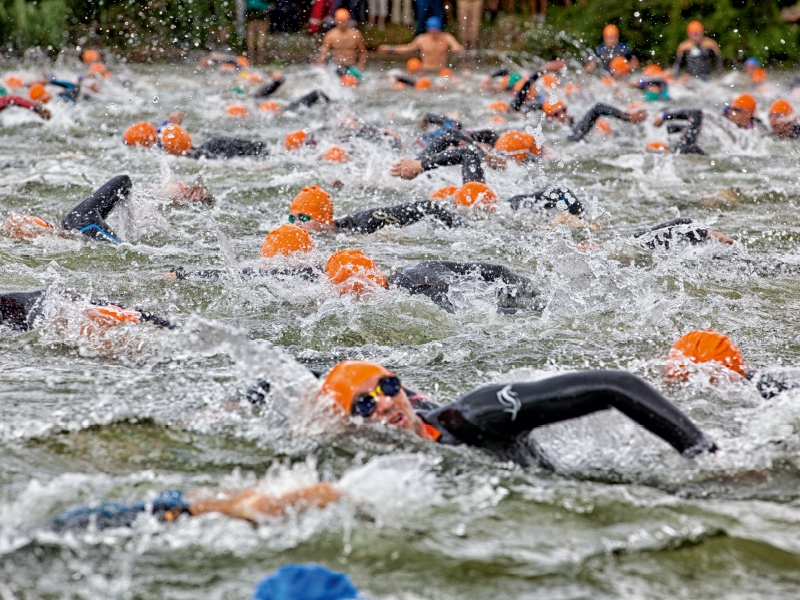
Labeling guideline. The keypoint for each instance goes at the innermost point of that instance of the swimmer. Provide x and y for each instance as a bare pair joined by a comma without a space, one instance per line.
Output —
72,91
227,60
508,79
344,43
308,100
174,139
433,46
689,132
87,217
181,194
741,111
653,83
609,50
635,114
520,101
697,53
7,101
783,124
276,80
678,231
352,128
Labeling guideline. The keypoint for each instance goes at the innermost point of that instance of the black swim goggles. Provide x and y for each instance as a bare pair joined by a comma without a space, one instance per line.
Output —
365,404
301,217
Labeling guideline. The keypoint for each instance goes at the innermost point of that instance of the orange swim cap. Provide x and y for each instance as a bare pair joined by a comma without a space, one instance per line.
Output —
140,134
348,80
610,30
314,202
548,81
423,83
413,64
604,127
607,80
657,147
90,56
619,66
286,239
176,140
478,193
100,69
744,102
550,108
499,106
701,347
14,82
353,272
254,78
780,107
518,144
651,71
242,62
694,27
758,76
336,154
343,379
295,140
445,73
24,227
341,14
270,106
572,89
445,192
38,93
399,85
498,120
237,110
111,316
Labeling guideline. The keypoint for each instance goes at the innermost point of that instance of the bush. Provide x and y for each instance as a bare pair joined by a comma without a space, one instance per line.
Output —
27,24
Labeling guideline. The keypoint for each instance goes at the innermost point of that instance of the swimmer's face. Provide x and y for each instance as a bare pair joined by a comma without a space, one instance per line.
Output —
610,39
343,24
303,221
740,116
393,410
562,116
696,36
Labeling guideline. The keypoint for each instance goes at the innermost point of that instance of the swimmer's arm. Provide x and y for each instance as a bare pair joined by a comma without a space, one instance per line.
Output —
454,45
250,505
362,51
326,48
522,94
402,49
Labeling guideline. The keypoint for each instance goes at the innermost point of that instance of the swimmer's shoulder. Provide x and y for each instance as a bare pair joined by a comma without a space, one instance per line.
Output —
684,46
709,44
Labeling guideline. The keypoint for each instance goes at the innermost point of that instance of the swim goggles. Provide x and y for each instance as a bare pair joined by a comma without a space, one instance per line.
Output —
301,217
365,404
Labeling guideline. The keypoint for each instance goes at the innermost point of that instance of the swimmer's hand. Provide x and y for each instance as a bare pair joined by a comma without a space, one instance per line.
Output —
42,112
555,65
496,162
637,115
407,168
721,237
659,120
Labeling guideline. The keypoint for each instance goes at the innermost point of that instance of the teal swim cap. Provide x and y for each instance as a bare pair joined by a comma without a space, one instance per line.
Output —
513,78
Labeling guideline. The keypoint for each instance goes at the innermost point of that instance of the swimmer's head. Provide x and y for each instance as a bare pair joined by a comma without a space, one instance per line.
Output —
758,76
353,272
423,83
556,110
413,64
270,106
38,93
498,106
14,82
312,209
25,227
342,18
751,64
741,110
141,134
237,111
657,147
176,140
702,347
695,31
780,108
445,73
652,71
90,56
444,192
477,194
547,82
610,35
298,139
242,62
348,80
517,144
619,67
99,68
433,24
336,154
286,240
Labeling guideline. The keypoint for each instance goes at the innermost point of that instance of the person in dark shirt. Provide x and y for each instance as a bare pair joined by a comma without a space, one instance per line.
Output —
697,53
609,50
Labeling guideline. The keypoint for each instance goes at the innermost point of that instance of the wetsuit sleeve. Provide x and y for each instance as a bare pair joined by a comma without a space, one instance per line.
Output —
501,72
6,101
694,118
447,138
497,415
547,199
222,147
664,233
469,157
67,85
522,94
309,100
588,120
441,120
89,215
679,61
269,88
19,309
626,52
772,383
370,221
484,136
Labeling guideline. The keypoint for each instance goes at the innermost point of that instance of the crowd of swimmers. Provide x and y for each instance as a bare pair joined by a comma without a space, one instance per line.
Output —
496,418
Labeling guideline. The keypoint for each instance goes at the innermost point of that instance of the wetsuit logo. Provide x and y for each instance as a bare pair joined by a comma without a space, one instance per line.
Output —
510,401
387,218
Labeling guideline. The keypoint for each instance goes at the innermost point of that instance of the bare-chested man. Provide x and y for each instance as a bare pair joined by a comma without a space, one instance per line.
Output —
432,45
345,43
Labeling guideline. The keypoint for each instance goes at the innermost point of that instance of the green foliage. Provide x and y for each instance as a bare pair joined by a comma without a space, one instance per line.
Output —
654,28
26,24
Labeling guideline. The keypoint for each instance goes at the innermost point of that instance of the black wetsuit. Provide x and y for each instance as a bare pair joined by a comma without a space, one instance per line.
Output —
548,198
698,61
228,147
308,100
89,215
518,103
672,232
373,219
453,146
498,418
19,310
269,88
433,278
605,54
371,133
584,126
689,132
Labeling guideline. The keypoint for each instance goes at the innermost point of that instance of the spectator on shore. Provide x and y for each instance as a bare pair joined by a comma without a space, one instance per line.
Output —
426,9
470,13
257,17
378,11
344,43
610,49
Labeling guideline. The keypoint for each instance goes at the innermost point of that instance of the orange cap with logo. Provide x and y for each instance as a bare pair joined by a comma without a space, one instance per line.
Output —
413,64
237,110
619,65
423,83
694,27
336,154
348,80
344,379
657,147
445,192
499,106
701,347
176,140
341,14
478,193
610,29
38,93
744,102
550,107
780,107
519,144
141,134
353,272
314,202
295,140
270,106
286,239
90,56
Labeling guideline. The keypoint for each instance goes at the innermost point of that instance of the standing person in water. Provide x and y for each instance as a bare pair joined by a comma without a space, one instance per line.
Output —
344,43
697,53
609,50
433,46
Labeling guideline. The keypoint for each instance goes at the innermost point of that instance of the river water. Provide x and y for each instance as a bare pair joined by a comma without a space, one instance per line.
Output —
623,515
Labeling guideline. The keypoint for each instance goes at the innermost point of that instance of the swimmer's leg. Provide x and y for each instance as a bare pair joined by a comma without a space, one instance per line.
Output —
509,411
309,100
228,147
469,157
582,127
19,309
88,216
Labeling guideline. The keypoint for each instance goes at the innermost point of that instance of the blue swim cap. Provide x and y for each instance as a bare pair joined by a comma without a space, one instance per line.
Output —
305,582
752,61
433,23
